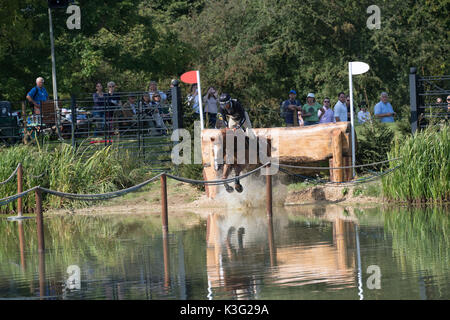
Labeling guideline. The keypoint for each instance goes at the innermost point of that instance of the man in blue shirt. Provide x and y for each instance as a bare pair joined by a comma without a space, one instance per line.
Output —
37,95
290,107
340,109
383,109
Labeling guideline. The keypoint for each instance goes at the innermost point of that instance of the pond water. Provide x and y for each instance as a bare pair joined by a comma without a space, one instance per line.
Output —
330,252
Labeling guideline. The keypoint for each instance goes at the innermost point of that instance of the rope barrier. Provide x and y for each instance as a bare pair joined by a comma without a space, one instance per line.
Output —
216,182
114,194
335,168
346,183
11,176
101,196
9,199
38,176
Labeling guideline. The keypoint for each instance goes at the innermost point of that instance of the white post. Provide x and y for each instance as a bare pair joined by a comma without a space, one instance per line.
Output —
351,117
55,89
200,100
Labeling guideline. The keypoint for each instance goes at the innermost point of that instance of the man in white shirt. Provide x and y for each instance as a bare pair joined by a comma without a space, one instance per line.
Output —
340,109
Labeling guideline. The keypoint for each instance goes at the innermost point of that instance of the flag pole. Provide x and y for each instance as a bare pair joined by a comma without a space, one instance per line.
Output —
200,100
351,116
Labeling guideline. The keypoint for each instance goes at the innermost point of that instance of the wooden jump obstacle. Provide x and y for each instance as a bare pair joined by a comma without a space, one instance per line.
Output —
301,146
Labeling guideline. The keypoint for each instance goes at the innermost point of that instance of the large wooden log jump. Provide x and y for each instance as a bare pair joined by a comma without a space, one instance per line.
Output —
301,146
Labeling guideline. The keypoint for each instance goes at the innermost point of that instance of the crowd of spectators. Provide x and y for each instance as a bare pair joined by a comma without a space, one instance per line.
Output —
310,113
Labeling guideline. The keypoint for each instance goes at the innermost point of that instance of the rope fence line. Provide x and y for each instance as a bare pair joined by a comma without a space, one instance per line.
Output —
11,176
336,168
375,176
100,196
38,190
118,193
217,182
9,199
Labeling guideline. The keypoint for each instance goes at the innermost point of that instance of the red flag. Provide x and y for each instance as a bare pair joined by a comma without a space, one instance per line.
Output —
189,77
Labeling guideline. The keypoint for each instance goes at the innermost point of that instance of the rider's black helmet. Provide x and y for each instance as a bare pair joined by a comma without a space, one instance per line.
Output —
224,99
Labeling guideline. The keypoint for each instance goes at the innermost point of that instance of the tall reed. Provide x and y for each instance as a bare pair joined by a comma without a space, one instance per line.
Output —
63,169
424,172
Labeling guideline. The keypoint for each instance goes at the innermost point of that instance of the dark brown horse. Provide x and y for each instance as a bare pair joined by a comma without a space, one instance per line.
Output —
241,158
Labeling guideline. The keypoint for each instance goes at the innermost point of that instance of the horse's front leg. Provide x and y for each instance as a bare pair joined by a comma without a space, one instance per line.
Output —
226,172
237,185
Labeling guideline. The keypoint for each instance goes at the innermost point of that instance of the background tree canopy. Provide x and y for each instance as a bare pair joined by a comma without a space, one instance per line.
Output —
257,50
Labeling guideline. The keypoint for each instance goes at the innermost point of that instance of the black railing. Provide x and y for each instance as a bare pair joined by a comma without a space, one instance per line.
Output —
426,109
132,121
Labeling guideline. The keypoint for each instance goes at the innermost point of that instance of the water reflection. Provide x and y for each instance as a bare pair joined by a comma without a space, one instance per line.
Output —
246,249
299,253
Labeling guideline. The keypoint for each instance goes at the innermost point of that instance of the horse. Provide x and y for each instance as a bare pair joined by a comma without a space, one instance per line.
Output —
239,159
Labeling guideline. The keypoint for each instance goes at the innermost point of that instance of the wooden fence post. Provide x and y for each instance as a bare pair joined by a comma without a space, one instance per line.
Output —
19,189
164,213
336,142
39,220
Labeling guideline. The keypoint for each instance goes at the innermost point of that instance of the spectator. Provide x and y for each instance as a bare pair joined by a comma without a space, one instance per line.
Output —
309,110
127,114
153,88
290,108
363,114
99,107
158,113
192,100
340,109
147,109
326,114
448,103
210,100
383,109
112,98
99,100
37,95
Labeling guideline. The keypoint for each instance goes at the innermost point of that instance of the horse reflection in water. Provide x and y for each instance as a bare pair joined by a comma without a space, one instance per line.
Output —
236,253
245,249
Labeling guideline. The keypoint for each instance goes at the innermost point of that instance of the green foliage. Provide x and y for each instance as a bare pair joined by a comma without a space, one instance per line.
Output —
256,50
424,172
259,50
374,142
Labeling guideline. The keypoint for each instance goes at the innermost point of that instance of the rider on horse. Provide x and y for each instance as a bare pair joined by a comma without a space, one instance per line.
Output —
232,113
233,116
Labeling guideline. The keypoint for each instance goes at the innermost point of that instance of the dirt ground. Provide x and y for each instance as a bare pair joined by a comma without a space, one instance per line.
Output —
186,198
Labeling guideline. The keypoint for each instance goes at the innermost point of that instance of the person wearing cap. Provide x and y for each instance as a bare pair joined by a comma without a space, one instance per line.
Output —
232,114
37,95
310,109
340,108
290,108
383,110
